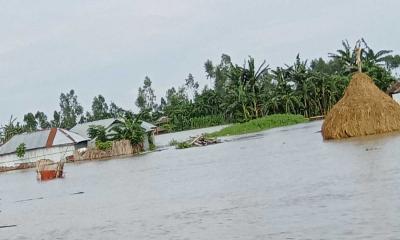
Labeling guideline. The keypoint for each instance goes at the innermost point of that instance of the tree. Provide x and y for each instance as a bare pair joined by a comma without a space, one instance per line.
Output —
392,62
128,129
99,109
178,108
346,57
11,129
98,132
373,63
243,90
41,118
115,111
30,122
71,110
146,97
191,85
56,122
146,100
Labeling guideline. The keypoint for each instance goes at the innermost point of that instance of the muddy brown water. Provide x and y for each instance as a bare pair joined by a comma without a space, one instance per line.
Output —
285,183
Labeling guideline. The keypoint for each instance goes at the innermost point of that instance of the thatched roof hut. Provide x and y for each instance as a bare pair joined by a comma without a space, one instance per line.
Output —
363,110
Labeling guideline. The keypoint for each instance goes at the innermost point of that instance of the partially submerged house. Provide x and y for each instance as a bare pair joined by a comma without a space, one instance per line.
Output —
82,129
394,91
161,123
52,144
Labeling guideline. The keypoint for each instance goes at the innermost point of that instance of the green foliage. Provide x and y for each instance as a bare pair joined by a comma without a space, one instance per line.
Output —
168,127
146,100
152,147
104,146
100,109
182,145
41,118
128,129
21,149
56,122
260,124
10,129
30,122
207,121
71,110
173,142
98,132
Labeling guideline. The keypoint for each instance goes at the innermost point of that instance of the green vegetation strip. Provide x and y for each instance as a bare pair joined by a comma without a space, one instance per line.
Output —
260,124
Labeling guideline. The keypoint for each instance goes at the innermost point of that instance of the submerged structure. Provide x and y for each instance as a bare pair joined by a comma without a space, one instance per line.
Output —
394,92
363,110
54,144
47,169
82,130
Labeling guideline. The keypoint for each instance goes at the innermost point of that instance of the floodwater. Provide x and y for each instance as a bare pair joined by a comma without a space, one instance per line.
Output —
285,183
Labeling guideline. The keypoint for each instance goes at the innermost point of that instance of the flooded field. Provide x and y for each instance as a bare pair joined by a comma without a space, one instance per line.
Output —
284,183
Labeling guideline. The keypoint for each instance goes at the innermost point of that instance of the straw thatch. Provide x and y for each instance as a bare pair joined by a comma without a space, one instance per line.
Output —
119,148
363,110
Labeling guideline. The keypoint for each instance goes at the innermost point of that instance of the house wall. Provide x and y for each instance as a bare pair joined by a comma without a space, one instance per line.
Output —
148,138
31,156
146,145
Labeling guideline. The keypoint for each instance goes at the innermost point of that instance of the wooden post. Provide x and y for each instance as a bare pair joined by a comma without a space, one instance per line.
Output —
358,58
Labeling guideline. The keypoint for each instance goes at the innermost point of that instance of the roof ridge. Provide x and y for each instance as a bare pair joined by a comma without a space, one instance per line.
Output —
67,135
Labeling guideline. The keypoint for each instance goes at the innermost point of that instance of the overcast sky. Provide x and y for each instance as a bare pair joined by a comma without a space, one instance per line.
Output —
108,47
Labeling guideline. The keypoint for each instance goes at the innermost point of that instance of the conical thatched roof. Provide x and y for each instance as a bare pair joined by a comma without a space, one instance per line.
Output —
363,110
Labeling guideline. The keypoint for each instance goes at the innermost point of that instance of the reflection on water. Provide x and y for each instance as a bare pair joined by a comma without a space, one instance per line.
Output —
283,184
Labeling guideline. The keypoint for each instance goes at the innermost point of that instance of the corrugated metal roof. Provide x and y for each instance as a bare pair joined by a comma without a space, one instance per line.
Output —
148,127
82,128
39,139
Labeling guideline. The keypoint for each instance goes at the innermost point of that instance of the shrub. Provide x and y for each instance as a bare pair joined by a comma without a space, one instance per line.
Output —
173,142
207,121
182,145
21,149
104,146
260,124
97,132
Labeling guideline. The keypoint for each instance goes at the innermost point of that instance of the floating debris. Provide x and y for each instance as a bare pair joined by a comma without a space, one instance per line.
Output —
29,199
8,226
198,141
371,149
76,193
47,169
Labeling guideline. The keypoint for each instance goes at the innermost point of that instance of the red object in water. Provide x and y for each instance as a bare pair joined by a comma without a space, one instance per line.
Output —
48,174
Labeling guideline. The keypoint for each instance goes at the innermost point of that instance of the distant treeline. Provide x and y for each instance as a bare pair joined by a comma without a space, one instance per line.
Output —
239,93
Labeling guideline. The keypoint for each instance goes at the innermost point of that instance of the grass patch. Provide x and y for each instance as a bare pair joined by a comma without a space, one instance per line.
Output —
173,142
260,124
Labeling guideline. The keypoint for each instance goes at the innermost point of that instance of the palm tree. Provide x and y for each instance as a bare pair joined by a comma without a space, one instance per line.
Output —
11,129
346,56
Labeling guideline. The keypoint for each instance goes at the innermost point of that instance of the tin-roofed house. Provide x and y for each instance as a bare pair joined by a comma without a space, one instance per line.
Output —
52,144
82,129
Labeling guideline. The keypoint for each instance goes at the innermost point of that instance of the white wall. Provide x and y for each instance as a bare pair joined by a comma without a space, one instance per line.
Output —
396,97
54,153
